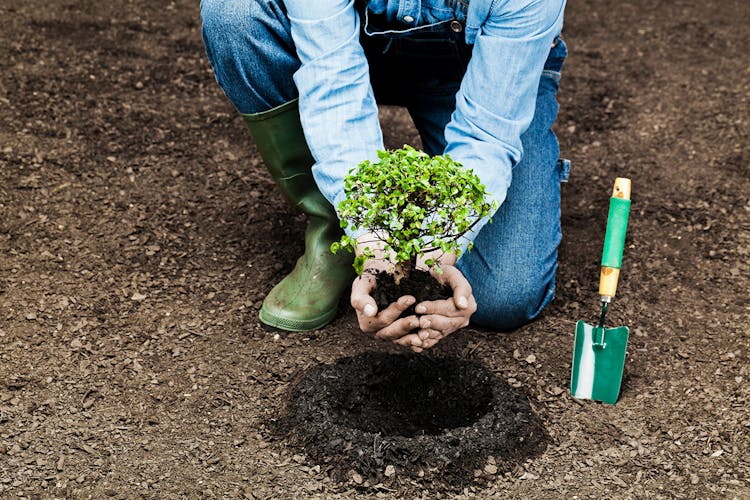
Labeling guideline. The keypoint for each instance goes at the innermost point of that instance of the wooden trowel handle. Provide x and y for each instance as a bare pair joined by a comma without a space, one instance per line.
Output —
614,239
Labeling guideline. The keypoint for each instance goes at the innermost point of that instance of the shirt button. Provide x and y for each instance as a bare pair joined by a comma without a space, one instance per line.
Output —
407,19
456,26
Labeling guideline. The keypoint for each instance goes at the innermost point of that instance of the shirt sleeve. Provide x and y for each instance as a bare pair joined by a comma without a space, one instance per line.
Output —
495,103
337,106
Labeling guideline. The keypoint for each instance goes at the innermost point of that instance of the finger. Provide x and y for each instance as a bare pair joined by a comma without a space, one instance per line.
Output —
416,349
387,316
426,344
410,340
360,297
460,285
444,307
398,329
443,323
424,328
370,325
425,321
429,333
393,311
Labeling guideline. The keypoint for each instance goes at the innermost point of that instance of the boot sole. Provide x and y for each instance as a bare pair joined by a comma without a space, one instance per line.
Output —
274,322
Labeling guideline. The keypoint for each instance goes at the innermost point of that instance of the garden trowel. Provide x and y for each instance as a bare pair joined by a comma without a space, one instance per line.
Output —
599,353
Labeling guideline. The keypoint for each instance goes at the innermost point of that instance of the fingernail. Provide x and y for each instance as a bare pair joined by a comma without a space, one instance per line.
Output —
462,302
427,323
420,309
370,310
414,324
424,335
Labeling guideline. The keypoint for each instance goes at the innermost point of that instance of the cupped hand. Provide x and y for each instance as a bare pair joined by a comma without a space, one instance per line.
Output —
385,324
440,318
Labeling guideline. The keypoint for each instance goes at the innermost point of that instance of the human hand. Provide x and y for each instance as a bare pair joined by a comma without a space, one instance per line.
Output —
440,318
386,324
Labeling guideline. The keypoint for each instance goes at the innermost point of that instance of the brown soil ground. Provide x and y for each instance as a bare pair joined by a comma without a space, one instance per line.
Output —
139,233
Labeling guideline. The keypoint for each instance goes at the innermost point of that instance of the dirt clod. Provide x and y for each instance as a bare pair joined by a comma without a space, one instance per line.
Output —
419,284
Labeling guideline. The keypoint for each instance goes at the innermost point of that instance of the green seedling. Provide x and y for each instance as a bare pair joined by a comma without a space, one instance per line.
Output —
413,204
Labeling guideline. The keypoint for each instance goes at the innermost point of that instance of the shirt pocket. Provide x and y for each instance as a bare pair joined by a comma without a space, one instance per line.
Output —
440,13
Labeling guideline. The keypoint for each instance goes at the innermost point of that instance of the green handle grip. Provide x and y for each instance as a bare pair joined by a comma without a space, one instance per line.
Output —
617,226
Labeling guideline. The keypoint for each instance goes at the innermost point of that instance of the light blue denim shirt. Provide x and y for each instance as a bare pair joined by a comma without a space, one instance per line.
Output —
494,106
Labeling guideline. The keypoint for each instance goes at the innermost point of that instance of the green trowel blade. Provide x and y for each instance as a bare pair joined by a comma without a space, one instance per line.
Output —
598,361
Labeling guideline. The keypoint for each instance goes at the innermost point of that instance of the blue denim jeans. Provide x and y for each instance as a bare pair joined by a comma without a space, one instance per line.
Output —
512,265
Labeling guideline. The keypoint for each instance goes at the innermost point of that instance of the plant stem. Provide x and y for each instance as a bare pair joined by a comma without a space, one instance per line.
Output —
403,270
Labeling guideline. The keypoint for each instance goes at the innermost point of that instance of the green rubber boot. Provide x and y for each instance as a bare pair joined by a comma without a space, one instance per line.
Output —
308,297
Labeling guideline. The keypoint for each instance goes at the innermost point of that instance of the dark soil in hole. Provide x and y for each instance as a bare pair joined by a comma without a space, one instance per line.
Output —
423,415
420,284
409,396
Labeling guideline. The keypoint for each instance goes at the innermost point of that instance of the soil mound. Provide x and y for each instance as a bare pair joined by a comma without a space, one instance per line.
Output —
420,284
424,416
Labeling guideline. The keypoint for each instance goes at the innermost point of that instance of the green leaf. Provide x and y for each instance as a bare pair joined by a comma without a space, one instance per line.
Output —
359,264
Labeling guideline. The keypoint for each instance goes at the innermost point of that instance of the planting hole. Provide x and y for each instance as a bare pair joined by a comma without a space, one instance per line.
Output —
409,396
422,415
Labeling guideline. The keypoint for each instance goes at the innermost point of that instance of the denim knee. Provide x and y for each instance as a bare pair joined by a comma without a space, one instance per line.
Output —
224,23
510,301
250,48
